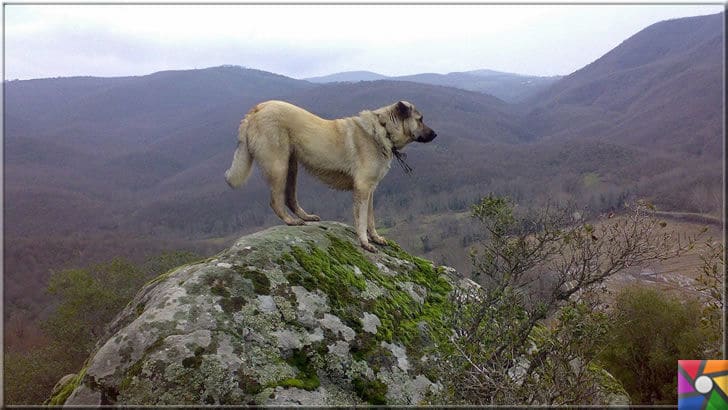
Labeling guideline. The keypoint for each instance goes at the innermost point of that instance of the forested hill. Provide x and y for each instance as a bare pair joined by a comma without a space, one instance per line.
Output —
661,89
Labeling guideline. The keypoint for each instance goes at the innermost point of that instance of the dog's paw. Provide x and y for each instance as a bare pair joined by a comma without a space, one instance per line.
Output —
311,218
295,222
369,247
379,240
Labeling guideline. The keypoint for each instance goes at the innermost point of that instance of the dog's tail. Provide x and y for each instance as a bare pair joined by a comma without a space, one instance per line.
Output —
239,171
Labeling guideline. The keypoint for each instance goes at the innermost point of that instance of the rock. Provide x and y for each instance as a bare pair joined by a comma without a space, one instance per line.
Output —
64,388
610,390
286,316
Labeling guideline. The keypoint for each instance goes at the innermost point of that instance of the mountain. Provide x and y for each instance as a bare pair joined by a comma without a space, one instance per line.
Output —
110,138
506,86
509,87
199,189
105,116
444,107
347,76
660,89
90,161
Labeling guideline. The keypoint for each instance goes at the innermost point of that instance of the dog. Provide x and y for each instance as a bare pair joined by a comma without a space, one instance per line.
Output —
351,154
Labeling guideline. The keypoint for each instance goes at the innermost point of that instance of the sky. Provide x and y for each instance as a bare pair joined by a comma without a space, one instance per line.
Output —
310,40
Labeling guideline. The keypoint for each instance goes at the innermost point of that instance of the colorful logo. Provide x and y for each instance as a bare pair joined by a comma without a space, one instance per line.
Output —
702,384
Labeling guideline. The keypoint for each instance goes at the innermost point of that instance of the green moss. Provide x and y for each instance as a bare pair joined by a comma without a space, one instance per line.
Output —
307,377
334,265
132,372
219,289
219,284
248,384
331,270
309,384
60,398
607,382
136,368
171,271
194,361
371,391
346,254
424,274
429,371
139,309
325,273
366,347
195,312
233,304
363,344
159,278
261,283
286,257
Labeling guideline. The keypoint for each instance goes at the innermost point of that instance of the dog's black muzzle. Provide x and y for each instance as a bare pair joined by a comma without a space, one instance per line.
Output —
427,137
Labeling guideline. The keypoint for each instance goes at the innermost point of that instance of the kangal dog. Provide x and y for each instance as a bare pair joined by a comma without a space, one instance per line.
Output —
351,154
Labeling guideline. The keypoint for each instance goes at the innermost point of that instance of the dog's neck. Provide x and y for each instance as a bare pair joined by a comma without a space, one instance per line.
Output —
398,155
369,123
383,137
401,156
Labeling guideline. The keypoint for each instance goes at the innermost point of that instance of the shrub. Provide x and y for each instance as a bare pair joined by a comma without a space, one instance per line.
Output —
87,301
651,332
533,266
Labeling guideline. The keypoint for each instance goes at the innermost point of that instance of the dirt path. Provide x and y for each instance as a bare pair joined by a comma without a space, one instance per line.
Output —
691,217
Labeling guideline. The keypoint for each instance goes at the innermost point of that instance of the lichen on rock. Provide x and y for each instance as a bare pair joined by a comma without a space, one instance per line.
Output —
289,315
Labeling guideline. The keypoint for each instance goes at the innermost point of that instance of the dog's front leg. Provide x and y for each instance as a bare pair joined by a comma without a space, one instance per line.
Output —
361,208
371,228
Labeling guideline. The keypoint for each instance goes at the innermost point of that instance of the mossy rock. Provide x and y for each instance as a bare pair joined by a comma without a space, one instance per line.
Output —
65,386
285,316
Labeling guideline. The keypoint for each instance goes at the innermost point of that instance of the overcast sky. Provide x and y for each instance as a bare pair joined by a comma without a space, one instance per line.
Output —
306,40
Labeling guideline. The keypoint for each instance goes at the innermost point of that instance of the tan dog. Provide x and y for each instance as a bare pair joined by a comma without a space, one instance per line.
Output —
351,154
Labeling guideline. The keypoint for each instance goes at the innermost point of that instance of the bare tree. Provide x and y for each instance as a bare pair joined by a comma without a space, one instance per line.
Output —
533,266
712,281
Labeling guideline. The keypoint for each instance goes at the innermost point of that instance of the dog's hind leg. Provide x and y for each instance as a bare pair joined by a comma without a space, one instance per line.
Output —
291,200
276,173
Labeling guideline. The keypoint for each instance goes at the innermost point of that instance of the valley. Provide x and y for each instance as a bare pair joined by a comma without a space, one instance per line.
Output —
133,166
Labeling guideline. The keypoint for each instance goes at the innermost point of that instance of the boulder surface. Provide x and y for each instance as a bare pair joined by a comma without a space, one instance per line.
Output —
286,316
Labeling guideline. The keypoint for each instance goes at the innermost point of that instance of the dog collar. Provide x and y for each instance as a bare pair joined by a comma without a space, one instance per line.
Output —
401,157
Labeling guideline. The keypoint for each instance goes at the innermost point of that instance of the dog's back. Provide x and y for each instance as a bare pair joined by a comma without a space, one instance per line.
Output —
317,143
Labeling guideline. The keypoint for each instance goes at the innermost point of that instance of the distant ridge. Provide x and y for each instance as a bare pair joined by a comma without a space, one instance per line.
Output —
347,76
508,87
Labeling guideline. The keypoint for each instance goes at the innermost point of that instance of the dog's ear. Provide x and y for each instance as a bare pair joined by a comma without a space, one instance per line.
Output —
403,110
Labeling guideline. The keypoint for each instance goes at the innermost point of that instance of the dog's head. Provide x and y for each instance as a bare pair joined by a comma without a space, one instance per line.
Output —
404,124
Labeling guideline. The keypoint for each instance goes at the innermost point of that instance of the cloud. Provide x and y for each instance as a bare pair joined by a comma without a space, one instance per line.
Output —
100,51
308,40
